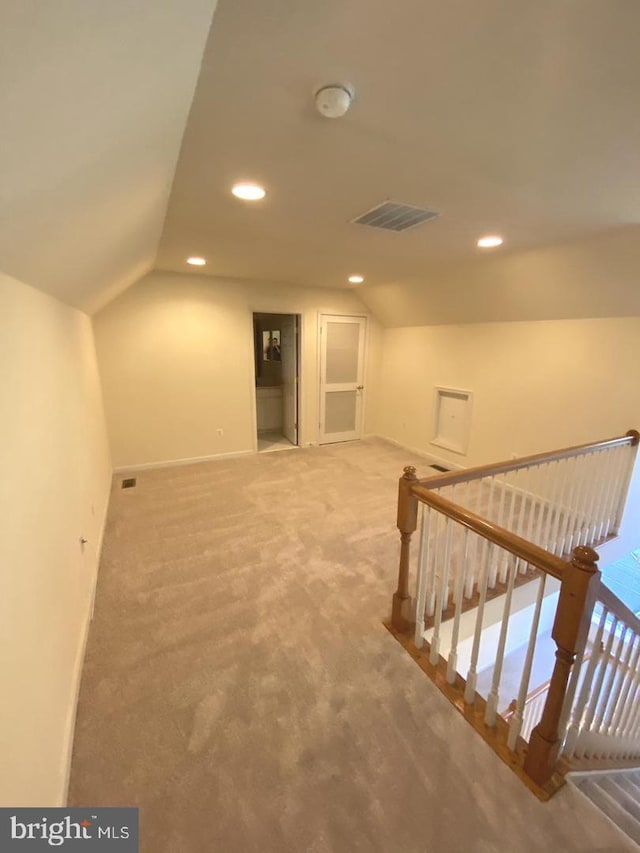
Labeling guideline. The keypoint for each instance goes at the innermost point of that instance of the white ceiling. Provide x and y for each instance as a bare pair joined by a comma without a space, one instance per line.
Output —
505,115
93,103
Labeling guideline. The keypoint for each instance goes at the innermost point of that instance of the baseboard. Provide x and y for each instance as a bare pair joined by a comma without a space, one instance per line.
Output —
80,656
170,463
431,457
79,663
73,710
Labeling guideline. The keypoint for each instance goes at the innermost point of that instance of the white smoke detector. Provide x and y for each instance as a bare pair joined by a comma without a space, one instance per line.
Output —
333,101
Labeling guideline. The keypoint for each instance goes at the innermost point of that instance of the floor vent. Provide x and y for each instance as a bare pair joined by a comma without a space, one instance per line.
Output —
129,483
440,468
393,216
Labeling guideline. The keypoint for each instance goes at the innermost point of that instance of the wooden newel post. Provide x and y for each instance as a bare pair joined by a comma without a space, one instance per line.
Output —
407,523
570,627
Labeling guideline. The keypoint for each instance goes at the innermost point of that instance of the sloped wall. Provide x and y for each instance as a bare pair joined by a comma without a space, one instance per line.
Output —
54,490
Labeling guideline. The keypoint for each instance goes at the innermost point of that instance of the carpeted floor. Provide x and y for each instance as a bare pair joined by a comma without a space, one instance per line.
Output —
240,688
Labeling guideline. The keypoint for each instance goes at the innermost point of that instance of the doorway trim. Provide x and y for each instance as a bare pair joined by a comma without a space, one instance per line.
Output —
278,309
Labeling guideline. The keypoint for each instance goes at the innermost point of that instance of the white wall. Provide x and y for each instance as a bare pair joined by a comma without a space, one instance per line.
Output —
176,360
92,125
537,385
54,489
593,277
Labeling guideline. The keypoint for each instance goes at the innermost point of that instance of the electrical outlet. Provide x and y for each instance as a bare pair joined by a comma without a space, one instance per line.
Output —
220,432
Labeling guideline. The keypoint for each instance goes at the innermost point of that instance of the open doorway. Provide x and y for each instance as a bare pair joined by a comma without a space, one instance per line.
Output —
277,356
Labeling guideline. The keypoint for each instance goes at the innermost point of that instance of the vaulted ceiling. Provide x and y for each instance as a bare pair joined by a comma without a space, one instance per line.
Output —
504,115
94,97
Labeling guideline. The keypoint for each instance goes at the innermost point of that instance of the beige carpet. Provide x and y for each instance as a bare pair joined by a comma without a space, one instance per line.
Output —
240,688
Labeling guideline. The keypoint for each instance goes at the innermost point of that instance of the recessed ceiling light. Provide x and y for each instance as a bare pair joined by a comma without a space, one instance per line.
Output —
196,262
248,192
356,279
490,241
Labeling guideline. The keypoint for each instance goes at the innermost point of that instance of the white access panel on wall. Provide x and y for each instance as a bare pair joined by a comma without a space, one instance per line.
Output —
342,349
452,419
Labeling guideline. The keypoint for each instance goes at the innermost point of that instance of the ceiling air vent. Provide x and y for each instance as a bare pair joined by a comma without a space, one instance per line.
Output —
392,216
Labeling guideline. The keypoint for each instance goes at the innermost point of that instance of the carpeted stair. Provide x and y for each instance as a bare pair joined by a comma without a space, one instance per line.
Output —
617,794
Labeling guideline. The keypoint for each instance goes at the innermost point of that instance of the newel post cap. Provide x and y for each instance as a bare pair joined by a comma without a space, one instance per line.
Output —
585,558
409,473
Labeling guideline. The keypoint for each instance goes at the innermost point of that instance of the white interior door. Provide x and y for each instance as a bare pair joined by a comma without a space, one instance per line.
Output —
342,347
289,356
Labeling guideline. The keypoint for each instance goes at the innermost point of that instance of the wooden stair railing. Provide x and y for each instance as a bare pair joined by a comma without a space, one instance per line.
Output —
531,705
603,706
480,530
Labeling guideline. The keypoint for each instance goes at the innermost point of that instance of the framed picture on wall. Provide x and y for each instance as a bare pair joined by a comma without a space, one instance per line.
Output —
271,345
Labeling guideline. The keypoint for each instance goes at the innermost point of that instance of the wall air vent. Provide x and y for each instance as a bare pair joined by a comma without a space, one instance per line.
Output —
129,483
393,216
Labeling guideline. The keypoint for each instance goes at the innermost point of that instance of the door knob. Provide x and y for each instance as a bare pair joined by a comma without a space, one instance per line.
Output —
359,387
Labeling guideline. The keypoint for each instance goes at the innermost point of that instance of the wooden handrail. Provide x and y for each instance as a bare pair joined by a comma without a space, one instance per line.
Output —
632,437
617,607
580,589
516,545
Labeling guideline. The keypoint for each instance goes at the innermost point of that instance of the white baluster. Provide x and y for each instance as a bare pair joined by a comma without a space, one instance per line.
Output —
504,568
554,484
452,663
622,667
471,570
515,725
448,592
593,486
577,715
493,568
421,592
523,512
491,710
560,509
634,726
583,496
569,512
629,459
432,554
620,715
501,505
600,488
473,573
595,481
616,465
599,479
582,742
472,675
532,502
543,487
632,704
441,590
607,690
